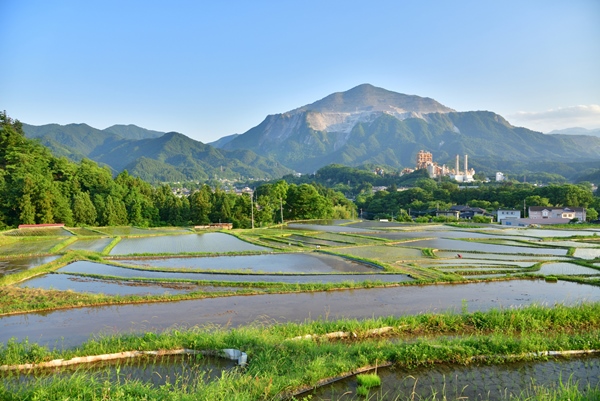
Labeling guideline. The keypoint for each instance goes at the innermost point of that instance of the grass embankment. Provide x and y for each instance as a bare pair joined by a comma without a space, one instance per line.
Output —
279,366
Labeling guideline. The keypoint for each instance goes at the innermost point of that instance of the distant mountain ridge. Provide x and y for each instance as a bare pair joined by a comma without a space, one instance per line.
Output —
131,131
576,131
167,157
365,125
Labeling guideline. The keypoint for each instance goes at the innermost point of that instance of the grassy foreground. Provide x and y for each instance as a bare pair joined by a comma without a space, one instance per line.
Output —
278,365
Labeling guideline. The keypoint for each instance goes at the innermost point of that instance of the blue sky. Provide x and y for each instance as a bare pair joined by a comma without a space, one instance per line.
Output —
210,69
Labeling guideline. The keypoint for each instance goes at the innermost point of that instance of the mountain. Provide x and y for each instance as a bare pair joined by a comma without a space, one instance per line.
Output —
365,125
576,131
74,141
306,137
132,132
219,143
170,157
373,125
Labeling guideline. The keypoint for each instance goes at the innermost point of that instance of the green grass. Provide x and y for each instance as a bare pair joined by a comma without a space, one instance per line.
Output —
368,380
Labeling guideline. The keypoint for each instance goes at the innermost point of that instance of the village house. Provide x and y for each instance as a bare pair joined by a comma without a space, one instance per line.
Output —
546,215
503,214
547,212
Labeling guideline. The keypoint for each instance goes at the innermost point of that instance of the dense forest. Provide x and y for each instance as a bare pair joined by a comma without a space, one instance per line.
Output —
37,187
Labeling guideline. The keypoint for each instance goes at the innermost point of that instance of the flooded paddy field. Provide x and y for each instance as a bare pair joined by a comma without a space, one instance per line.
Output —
90,244
39,232
271,263
209,242
472,382
346,238
182,370
331,229
545,233
30,247
86,232
587,253
443,263
136,231
384,253
449,244
51,327
449,233
67,282
498,256
15,265
110,271
227,277
575,244
566,269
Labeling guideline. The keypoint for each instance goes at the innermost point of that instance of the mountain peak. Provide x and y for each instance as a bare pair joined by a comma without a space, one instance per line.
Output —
368,98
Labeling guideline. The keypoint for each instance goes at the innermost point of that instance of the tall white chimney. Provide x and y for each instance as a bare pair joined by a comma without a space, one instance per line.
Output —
457,165
466,165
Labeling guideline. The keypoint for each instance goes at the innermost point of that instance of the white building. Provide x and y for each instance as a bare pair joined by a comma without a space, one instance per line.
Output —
499,176
504,214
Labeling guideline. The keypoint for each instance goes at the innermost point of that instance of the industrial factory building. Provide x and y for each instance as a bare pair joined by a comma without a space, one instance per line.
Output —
425,161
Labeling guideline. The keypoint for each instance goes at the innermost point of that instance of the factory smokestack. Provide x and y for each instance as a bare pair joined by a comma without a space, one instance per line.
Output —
457,164
466,165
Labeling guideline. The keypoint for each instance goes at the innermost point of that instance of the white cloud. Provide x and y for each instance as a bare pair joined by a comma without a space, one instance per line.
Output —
585,116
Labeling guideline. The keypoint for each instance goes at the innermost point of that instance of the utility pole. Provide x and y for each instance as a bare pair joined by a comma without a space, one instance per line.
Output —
524,209
252,207
281,208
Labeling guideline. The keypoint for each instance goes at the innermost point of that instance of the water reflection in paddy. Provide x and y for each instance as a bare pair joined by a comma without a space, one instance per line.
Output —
566,269
587,253
10,266
66,282
71,327
473,382
272,263
84,267
209,242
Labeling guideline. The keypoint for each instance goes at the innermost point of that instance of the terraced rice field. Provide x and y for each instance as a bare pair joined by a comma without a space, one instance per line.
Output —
30,247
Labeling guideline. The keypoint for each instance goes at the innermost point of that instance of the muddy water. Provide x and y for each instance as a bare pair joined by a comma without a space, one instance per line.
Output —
65,328
455,382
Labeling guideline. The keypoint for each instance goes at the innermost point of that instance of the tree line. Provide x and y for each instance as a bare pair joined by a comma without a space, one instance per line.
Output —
37,187
428,196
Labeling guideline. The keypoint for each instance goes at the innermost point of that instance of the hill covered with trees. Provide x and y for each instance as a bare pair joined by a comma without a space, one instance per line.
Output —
37,187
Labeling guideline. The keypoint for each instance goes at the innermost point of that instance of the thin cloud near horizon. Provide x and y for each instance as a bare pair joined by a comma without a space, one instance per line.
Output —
584,116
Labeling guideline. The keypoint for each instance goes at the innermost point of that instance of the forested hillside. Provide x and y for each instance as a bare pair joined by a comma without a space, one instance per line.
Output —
37,187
